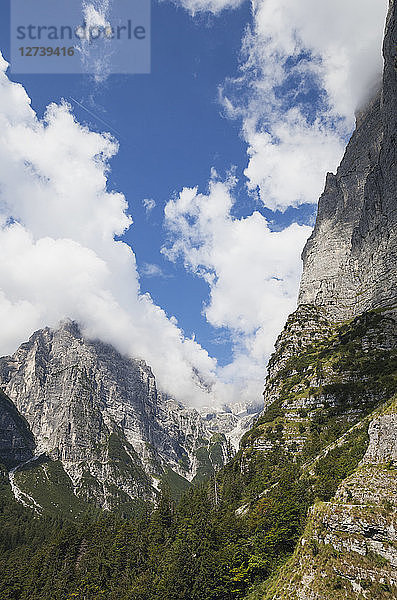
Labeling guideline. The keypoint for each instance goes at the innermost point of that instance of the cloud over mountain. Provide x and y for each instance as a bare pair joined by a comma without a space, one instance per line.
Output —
60,257
300,80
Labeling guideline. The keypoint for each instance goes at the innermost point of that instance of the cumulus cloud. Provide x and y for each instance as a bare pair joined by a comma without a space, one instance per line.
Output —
306,67
60,258
252,273
288,165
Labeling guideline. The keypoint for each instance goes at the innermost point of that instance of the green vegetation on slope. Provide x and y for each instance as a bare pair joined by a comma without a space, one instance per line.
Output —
229,534
331,385
51,487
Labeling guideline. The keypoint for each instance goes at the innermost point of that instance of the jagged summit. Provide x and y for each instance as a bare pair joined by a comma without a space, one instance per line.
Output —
100,415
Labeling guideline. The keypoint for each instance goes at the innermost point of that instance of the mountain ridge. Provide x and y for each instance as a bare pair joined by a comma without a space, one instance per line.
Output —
100,414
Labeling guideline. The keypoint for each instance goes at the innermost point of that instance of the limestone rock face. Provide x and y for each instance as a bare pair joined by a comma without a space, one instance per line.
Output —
307,325
350,261
16,440
101,415
347,309
383,440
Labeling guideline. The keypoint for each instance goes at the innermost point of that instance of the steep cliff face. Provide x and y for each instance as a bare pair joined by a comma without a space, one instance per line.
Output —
100,415
331,412
350,259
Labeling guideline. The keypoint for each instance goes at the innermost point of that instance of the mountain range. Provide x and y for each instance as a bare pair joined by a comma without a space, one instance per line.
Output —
97,417
157,501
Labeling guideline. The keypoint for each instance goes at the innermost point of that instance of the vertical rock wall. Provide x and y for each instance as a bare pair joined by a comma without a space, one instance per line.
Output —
350,261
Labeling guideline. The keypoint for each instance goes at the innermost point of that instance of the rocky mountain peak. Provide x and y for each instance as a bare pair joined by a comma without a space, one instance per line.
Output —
89,407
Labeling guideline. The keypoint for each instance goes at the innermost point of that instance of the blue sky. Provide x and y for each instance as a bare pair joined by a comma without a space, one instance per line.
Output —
173,126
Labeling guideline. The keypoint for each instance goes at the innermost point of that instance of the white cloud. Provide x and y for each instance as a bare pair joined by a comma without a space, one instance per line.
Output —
96,13
307,66
152,270
59,256
96,58
252,272
149,204
289,165
213,6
